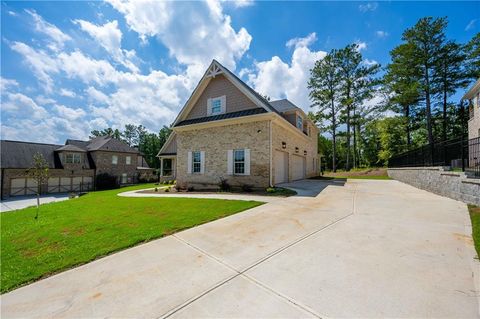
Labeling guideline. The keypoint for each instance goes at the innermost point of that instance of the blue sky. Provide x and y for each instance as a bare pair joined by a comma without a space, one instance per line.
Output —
70,67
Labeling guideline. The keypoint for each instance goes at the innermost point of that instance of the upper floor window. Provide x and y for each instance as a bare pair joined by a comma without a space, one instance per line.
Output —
128,160
73,158
299,122
114,159
196,162
216,105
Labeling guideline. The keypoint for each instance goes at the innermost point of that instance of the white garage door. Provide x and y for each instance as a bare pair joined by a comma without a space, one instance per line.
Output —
65,184
17,187
298,167
77,183
31,186
281,167
53,184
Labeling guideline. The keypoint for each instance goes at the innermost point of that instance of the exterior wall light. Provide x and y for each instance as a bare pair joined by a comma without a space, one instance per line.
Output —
296,149
284,145
305,153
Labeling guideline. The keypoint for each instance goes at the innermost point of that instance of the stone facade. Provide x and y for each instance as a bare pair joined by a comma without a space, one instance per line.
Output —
103,163
454,185
474,116
293,141
215,142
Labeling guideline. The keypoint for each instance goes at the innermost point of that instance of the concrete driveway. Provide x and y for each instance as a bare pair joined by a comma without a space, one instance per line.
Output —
362,249
20,202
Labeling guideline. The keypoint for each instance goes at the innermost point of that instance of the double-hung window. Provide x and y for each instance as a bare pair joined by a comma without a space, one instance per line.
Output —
216,105
128,160
239,162
114,159
72,158
196,162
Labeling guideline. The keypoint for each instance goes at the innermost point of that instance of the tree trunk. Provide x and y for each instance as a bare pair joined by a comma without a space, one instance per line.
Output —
38,204
444,113
429,113
347,164
407,117
334,141
354,138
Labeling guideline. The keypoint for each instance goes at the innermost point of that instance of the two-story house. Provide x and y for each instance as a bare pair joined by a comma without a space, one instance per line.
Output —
73,167
473,96
226,130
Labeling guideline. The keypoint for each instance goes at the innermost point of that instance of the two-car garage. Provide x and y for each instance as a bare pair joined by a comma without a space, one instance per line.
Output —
282,165
28,186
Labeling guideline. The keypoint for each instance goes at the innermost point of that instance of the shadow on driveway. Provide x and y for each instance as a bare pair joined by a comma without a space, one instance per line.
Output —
313,187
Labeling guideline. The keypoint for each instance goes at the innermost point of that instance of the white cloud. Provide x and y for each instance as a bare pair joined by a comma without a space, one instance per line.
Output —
41,63
109,37
96,95
12,13
361,45
302,42
181,26
279,79
381,34
243,3
58,38
369,6
7,83
68,113
369,62
67,93
471,25
19,103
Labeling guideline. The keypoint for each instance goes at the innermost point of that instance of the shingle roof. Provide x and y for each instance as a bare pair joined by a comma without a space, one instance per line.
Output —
17,154
283,105
104,143
71,148
222,116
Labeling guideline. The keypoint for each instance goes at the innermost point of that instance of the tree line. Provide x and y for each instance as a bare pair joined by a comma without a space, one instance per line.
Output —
149,144
412,96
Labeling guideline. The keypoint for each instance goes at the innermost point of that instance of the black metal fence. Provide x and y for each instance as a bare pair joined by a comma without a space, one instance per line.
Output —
456,153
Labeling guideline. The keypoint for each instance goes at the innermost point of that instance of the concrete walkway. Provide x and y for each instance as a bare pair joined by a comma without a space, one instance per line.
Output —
20,202
363,249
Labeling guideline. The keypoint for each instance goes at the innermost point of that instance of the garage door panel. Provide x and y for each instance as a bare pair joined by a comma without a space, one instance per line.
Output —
298,167
65,184
53,184
17,186
31,186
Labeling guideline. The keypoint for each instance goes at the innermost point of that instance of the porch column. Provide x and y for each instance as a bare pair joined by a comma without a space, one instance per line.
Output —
161,167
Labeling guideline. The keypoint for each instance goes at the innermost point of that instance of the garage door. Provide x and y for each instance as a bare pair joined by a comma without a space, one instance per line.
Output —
281,167
31,187
76,184
17,186
65,184
298,167
54,184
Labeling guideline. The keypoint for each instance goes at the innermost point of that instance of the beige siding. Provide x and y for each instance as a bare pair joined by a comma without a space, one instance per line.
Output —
172,146
219,86
474,123
215,142
292,118
309,144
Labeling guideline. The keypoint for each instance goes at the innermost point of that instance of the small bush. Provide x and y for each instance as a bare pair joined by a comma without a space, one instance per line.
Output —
271,190
156,189
247,188
190,189
224,185
167,190
106,181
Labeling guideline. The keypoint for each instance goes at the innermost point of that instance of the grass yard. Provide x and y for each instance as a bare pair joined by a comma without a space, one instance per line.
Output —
475,217
79,230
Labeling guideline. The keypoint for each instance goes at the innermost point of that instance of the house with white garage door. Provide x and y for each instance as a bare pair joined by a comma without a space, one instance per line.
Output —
227,131
73,167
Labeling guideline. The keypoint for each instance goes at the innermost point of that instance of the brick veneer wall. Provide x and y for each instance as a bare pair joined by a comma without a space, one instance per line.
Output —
103,163
292,141
454,185
216,141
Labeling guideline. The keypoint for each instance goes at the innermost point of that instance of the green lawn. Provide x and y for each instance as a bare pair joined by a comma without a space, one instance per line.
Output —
475,216
76,231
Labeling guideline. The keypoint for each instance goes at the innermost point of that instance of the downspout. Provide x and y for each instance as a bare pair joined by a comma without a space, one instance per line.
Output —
271,160
1,186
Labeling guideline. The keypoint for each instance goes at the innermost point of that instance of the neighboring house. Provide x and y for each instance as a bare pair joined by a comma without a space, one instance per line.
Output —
72,167
226,130
473,96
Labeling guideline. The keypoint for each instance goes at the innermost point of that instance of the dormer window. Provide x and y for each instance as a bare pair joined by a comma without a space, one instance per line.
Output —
216,105
300,122
72,158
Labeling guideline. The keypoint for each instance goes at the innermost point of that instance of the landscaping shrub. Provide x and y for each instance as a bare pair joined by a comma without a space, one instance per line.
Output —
147,177
271,190
224,185
106,181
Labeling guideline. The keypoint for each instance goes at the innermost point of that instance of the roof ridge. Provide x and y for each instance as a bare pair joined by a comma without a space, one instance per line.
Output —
26,142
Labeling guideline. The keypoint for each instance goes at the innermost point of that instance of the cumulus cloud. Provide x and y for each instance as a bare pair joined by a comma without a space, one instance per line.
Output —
19,103
57,37
96,95
369,6
361,45
6,83
243,3
69,113
67,93
109,37
181,26
287,79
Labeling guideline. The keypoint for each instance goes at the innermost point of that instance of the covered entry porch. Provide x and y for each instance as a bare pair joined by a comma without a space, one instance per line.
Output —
167,167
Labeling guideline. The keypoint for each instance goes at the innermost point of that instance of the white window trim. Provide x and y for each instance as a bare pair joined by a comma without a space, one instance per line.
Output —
223,101
296,122
128,160
231,162
116,161
190,162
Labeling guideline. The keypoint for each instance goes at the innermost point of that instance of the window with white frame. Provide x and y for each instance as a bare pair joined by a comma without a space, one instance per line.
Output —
216,105
124,178
73,158
299,122
128,160
114,159
196,162
239,162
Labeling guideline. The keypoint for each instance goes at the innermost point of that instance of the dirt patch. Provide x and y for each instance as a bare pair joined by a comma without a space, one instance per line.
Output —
367,172
466,239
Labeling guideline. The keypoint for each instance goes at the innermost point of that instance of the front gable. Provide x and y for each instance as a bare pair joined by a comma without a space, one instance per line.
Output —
218,87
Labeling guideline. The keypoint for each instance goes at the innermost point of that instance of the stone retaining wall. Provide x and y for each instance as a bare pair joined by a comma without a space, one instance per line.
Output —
440,181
